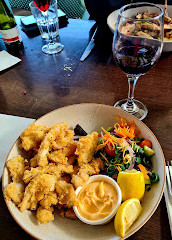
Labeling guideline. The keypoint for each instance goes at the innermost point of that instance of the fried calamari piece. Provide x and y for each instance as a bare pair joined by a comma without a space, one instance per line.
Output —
49,199
67,213
66,194
44,215
80,178
33,162
63,139
51,168
29,175
97,164
45,184
33,203
92,168
86,148
32,136
61,155
16,167
57,156
56,138
35,190
14,192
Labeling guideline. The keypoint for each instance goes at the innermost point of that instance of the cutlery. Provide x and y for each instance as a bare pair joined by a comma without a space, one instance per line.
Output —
168,192
169,180
90,47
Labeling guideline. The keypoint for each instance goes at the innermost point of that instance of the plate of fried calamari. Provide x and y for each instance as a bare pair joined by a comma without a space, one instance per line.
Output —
146,29
60,151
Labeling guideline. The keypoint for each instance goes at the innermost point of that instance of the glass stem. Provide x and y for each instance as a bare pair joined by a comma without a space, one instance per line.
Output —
132,80
45,14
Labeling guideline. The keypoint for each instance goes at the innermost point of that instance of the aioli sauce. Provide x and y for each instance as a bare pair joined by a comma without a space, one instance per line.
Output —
97,200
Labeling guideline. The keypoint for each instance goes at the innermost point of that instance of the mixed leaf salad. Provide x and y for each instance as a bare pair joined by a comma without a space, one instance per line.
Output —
121,149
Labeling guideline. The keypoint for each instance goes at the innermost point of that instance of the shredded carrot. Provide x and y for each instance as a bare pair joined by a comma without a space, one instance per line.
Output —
143,170
100,146
104,157
121,121
118,164
127,159
118,168
109,140
125,129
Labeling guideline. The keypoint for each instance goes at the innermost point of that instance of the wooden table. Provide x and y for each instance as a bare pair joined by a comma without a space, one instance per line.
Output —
55,81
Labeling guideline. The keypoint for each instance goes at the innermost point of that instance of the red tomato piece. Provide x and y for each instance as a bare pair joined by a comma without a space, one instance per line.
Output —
146,142
110,152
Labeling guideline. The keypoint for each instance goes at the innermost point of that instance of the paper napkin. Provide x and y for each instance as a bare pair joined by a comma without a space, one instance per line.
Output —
7,60
10,129
169,207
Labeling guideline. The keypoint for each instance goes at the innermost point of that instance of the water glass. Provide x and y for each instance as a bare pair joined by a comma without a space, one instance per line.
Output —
52,14
46,15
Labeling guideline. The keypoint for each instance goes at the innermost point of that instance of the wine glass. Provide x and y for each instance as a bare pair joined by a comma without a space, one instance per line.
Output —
137,45
52,47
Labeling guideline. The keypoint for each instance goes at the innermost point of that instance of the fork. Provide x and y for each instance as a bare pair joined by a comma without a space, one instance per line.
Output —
169,180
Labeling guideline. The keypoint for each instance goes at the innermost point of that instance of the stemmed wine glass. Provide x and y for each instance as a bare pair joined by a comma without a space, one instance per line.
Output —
137,45
52,47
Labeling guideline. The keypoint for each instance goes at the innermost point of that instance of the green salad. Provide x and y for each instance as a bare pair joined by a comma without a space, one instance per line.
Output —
121,149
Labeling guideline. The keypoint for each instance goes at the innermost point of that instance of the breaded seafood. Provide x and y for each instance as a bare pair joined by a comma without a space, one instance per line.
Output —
67,213
45,215
14,192
86,147
66,194
62,155
32,136
92,168
36,189
49,200
16,167
51,168
57,138
54,166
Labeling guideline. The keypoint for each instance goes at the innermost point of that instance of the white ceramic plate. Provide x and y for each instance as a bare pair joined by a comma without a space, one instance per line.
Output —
112,18
91,117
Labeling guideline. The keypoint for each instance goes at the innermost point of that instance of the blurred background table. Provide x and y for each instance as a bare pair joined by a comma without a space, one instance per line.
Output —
41,83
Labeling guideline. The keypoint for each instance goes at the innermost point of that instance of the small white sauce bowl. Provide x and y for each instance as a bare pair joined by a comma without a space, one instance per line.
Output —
98,178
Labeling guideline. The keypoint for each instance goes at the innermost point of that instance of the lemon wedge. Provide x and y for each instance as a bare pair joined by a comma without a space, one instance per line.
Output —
132,184
127,213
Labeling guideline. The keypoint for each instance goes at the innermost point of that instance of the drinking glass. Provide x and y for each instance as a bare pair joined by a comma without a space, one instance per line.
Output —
52,19
137,45
45,8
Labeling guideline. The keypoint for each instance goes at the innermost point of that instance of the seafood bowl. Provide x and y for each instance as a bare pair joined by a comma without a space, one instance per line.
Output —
112,18
91,117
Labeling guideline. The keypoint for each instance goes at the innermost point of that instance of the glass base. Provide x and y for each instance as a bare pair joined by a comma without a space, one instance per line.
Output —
137,109
52,48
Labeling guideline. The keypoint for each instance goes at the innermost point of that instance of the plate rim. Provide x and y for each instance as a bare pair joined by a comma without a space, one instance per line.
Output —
89,104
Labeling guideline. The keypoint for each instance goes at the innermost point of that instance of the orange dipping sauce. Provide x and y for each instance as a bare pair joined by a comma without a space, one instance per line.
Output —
97,200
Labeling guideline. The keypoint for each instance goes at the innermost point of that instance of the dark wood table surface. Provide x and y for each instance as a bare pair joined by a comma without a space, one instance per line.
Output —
55,81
